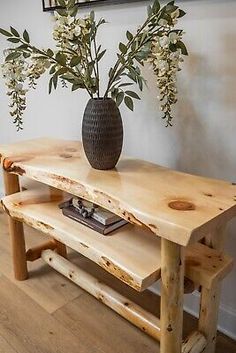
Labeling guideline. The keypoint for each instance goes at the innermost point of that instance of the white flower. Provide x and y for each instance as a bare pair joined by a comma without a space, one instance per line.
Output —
164,41
162,22
173,36
163,65
77,31
166,64
19,87
175,14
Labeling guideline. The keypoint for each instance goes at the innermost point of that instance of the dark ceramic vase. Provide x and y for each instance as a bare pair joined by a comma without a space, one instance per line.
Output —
102,133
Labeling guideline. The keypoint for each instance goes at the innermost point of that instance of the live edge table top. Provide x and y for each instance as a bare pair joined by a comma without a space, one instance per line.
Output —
176,206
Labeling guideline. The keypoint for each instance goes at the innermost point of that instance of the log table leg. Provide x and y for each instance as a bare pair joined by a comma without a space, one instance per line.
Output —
16,231
61,249
172,275
210,298
57,195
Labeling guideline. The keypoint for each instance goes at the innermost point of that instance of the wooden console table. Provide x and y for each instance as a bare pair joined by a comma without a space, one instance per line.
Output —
176,232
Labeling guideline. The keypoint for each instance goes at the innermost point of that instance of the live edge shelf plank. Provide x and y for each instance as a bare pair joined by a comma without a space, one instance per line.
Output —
176,206
131,254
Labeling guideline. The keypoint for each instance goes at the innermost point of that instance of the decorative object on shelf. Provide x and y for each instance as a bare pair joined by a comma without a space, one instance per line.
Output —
91,215
76,62
51,5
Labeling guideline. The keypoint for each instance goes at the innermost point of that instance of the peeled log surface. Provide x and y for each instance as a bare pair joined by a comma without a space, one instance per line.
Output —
34,254
131,253
172,290
194,343
176,206
132,312
144,320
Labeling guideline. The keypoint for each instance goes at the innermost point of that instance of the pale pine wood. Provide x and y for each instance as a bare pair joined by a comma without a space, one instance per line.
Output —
206,266
210,298
194,343
139,317
82,316
176,206
49,291
172,291
121,305
34,254
16,231
57,194
61,249
132,254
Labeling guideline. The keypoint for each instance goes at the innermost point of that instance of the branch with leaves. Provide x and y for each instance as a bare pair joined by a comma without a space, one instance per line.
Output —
76,58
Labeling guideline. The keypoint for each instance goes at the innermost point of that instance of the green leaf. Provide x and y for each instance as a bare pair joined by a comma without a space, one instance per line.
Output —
71,4
13,40
5,33
171,2
121,58
149,10
61,71
183,48
55,81
61,58
110,72
123,48
100,56
75,86
156,6
119,98
129,36
172,47
61,3
92,15
50,53
26,55
13,56
14,32
73,12
75,61
23,47
134,72
140,83
129,103
132,77
114,93
62,12
182,13
125,84
133,94
50,85
26,36
52,70
171,8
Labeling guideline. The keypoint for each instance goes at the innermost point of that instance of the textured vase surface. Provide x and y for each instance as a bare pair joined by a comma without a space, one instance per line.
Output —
102,133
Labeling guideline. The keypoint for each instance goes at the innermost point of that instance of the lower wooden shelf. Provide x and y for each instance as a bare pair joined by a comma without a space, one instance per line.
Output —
132,253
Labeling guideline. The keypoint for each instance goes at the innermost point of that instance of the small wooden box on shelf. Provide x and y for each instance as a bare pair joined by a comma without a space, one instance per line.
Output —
176,232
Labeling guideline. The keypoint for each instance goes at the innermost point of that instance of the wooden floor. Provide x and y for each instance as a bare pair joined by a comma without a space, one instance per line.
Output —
49,314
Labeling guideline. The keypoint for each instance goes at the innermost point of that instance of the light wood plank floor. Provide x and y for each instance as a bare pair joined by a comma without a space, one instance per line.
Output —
49,314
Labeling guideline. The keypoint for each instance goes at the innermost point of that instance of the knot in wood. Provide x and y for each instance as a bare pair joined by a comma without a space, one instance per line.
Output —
182,205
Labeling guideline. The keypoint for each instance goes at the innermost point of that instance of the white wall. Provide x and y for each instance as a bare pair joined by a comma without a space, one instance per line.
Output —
203,138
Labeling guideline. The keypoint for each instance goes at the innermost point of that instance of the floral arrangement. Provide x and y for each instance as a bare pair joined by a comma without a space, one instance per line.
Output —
77,55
